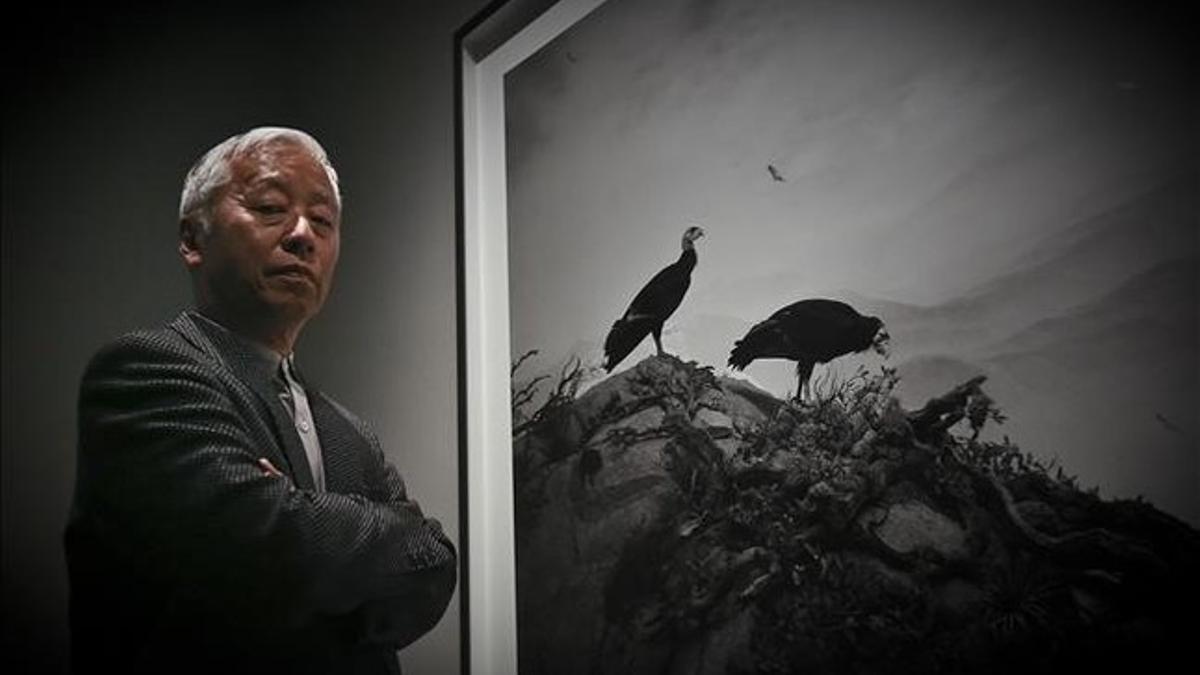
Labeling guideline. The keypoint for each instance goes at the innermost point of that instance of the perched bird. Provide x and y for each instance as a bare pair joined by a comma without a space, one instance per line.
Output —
650,308
810,332
778,177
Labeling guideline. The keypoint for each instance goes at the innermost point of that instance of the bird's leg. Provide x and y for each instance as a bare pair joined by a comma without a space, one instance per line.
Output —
657,333
803,373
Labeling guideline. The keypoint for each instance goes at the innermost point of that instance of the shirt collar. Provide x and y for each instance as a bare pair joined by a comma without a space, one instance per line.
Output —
264,357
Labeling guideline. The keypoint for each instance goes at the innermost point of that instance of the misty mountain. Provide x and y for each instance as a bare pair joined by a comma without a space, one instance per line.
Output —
1067,269
1108,389
1151,319
1156,224
1088,259
924,377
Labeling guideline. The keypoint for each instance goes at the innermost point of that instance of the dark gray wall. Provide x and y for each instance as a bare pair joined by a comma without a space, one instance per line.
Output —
103,113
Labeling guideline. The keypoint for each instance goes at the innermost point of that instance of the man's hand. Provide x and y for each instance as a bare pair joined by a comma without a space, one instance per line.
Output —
269,468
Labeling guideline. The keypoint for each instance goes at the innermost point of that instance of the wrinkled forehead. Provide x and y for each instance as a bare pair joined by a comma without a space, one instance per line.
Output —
281,162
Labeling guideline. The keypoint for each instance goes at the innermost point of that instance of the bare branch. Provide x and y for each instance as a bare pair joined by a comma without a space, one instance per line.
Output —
526,393
520,360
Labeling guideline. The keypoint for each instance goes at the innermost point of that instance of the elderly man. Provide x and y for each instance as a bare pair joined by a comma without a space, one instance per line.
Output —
228,515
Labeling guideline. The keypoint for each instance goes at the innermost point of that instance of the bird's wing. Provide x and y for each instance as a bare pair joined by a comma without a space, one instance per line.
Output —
662,294
775,335
821,329
768,339
626,333
805,313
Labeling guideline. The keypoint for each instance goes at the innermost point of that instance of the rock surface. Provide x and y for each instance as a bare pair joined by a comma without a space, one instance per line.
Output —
670,521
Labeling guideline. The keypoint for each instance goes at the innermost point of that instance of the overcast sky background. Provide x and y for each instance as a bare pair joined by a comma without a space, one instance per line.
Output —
928,148
924,145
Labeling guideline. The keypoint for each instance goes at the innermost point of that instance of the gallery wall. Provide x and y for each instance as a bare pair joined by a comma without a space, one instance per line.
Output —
104,112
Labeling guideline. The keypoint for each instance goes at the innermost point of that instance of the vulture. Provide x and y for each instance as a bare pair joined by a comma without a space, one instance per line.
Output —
810,332
650,308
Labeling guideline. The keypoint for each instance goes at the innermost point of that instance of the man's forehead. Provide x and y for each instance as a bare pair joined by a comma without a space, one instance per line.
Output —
272,164
272,157
276,179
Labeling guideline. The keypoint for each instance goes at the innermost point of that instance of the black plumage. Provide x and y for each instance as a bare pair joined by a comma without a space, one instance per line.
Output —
810,332
651,307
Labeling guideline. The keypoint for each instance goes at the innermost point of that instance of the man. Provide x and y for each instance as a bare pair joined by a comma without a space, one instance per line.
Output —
228,516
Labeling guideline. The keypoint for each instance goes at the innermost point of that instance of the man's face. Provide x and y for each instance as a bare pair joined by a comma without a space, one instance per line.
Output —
273,237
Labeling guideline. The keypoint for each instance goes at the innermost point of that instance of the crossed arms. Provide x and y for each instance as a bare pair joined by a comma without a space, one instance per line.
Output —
172,483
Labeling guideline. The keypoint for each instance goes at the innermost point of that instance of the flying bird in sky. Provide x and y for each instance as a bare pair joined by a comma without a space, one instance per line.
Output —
775,173
810,332
1168,425
651,307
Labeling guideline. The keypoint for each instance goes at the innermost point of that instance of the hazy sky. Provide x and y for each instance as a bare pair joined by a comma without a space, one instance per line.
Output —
927,146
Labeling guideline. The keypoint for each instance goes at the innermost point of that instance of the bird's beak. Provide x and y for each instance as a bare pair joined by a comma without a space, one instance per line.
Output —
880,344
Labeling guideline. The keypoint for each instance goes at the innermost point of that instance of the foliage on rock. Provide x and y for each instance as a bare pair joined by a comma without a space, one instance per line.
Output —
851,535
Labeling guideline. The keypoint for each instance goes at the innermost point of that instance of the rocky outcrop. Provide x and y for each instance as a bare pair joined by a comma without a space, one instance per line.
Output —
672,521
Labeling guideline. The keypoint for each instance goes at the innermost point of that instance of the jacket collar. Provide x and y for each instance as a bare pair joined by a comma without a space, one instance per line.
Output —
257,370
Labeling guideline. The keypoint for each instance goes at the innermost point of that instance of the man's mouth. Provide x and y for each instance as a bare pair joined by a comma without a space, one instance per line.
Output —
296,271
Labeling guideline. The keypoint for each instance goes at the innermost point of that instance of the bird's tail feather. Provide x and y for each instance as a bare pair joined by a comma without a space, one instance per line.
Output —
755,345
741,355
623,337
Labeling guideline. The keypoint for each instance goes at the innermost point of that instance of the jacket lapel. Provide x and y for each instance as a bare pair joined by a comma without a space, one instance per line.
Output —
250,369
342,446
285,429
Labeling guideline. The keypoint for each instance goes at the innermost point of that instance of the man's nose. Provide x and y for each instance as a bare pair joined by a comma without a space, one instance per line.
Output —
300,239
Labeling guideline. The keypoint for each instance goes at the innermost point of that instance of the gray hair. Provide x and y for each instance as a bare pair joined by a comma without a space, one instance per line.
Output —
212,170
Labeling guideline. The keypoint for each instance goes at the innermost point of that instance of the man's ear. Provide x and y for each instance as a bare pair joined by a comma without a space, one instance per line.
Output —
191,233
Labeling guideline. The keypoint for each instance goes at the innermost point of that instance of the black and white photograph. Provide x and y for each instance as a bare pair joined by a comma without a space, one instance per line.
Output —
854,337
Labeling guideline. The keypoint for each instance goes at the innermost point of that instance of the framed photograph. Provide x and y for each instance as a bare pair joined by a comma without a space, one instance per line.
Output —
823,336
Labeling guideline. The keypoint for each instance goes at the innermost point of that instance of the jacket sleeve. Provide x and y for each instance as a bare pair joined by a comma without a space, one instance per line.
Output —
170,477
418,601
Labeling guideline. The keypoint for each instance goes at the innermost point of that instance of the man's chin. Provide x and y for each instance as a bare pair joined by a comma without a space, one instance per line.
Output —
292,283
292,307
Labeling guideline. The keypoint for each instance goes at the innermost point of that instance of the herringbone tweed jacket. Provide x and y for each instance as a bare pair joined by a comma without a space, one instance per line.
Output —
183,555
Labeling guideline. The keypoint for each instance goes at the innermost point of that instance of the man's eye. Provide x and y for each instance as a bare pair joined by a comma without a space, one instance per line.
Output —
322,220
267,209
